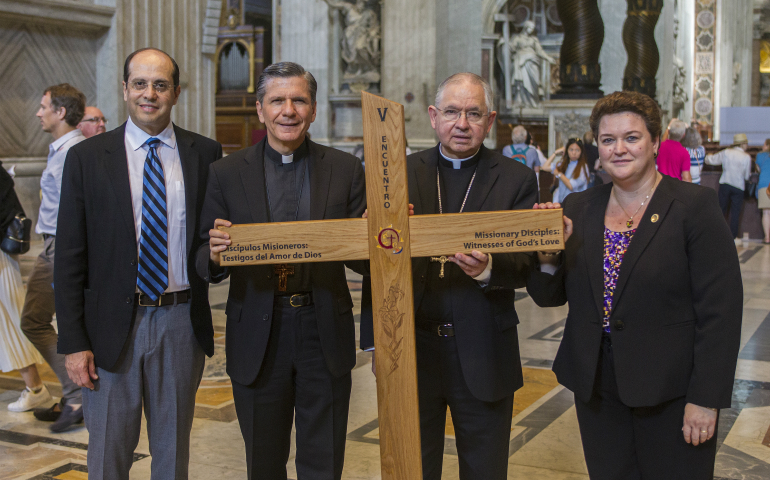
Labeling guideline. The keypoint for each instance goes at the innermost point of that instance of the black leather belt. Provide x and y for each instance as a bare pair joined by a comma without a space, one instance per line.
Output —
440,329
294,300
171,298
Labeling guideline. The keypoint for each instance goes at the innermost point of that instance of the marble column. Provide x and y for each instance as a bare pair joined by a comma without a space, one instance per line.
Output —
613,56
176,27
305,38
579,70
459,29
409,44
639,39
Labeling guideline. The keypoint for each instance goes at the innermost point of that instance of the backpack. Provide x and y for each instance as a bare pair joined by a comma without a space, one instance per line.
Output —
520,155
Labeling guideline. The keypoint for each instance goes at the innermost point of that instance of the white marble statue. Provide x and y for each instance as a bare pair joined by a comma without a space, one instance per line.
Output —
527,62
680,80
361,40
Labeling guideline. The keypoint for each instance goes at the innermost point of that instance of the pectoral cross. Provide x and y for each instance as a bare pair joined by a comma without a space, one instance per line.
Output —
442,260
283,271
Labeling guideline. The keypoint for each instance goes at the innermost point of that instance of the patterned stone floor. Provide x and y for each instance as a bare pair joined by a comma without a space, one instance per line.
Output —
544,444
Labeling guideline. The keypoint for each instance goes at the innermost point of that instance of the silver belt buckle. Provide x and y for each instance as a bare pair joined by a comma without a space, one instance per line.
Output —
291,300
438,329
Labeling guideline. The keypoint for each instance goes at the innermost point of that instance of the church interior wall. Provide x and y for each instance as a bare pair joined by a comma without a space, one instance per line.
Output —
409,64
305,38
36,56
612,57
733,63
84,43
685,49
664,38
459,29
176,27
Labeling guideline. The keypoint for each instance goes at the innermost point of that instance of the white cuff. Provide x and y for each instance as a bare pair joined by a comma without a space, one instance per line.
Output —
548,268
484,277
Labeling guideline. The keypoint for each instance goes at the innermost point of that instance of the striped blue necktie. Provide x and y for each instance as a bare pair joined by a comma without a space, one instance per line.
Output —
152,279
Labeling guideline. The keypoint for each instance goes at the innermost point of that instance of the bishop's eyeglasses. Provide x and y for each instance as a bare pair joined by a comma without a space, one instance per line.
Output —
453,115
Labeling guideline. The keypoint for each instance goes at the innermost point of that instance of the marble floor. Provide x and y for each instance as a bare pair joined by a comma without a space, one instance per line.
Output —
544,443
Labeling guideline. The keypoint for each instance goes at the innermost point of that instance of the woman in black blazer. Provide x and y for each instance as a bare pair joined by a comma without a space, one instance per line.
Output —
653,282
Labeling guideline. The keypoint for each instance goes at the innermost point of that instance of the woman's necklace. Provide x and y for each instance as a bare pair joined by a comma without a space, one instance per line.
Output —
630,221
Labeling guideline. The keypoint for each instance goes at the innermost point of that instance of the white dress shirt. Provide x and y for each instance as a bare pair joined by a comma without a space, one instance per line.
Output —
50,181
136,152
736,166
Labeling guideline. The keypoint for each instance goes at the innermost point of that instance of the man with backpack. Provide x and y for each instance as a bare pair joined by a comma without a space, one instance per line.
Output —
520,151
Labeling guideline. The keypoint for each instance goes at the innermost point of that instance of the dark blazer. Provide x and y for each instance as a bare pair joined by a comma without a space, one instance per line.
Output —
676,320
10,206
592,155
485,319
96,250
236,192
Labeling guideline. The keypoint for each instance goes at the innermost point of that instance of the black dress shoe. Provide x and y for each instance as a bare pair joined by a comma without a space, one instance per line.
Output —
47,414
67,418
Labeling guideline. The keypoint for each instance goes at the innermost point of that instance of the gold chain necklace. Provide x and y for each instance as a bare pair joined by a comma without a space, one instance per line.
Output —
630,221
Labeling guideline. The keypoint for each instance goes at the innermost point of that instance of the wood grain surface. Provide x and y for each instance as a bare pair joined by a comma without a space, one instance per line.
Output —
429,235
390,260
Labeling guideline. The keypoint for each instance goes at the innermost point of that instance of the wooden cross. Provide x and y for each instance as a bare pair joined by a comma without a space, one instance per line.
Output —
389,239
283,271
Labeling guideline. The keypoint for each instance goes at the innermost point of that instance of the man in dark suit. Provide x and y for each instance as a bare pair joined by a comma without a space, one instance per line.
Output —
467,344
591,150
134,325
290,332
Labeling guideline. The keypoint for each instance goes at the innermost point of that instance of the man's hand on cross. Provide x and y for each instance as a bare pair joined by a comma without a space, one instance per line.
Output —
218,240
473,265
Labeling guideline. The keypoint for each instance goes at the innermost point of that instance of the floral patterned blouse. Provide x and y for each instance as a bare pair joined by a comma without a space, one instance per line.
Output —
615,247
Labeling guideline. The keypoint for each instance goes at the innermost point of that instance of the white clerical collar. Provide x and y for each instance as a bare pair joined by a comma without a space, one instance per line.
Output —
287,158
456,162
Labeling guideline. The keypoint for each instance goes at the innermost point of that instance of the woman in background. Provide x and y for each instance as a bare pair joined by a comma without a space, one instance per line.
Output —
763,188
694,144
572,172
16,352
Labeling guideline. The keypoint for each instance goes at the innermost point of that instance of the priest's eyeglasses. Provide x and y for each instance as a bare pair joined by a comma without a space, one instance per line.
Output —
141,85
452,115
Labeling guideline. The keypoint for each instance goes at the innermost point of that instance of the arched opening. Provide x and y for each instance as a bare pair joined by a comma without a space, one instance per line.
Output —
234,64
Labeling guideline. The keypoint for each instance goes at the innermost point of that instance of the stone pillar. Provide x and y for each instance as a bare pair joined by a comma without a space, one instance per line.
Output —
305,38
639,39
579,71
409,64
176,27
459,29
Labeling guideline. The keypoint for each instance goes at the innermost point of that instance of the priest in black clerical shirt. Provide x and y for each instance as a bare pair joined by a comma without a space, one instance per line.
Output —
465,320
290,334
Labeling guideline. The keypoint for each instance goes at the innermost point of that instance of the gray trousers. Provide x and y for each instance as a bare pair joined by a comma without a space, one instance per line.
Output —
37,318
160,368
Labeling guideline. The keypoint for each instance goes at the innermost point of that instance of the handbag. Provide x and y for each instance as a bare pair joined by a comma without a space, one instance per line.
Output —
17,235
751,186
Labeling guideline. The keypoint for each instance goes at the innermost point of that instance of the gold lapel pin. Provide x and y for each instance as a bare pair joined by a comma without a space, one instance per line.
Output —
654,218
